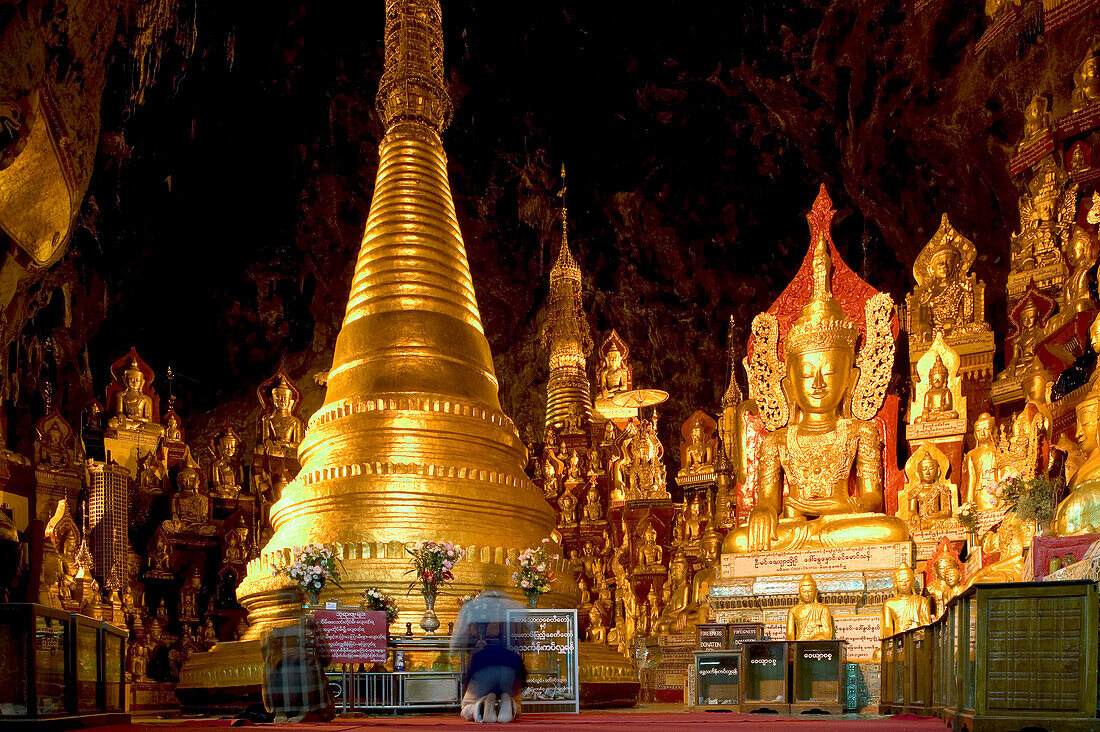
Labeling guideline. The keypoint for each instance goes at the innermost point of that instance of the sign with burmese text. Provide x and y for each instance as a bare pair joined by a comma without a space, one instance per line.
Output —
822,559
352,636
548,642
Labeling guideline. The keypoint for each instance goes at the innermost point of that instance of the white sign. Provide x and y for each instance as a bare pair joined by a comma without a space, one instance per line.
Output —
822,559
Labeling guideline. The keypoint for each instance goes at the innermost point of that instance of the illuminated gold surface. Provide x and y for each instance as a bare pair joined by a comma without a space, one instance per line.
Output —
928,500
939,386
948,299
817,450
411,443
810,619
906,609
1079,512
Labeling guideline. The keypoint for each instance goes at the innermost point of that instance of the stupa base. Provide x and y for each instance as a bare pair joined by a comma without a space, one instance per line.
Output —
231,674
608,679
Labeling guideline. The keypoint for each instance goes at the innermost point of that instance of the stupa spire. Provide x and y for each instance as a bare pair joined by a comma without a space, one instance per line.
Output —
566,335
411,443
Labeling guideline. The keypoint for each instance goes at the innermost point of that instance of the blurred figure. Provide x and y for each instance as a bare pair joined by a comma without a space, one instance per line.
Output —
295,687
495,674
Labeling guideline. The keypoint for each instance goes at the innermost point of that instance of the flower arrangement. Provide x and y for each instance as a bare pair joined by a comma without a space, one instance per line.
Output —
1031,498
968,518
311,567
375,599
433,563
534,577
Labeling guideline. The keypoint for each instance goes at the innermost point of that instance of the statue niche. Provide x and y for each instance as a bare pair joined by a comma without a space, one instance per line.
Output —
814,446
132,405
948,298
699,447
938,396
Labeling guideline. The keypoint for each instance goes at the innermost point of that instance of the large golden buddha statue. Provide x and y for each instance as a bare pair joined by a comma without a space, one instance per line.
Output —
131,408
1079,513
820,446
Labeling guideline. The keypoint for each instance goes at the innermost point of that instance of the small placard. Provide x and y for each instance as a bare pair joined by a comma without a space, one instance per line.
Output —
1031,152
548,642
352,636
710,637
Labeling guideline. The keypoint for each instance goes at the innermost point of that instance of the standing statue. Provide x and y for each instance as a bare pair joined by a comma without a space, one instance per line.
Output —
906,609
280,430
810,619
576,467
981,465
698,607
820,447
225,477
567,508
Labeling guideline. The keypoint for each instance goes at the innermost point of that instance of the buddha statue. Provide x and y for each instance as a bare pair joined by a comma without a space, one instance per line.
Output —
608,433
698,607
131,408
1028,337
53,453
138,660
1079,512
653,609
947,576
650,553
567,508
189,594
698,454
947,300
551,473
906,609
678,587
172,430
928,496
1081,256
280,430
1086,81
1037,120
225,476
938,400
597,624
820,447
810,619
233,553
160,557
595,462
1008,539
576,467
593,507
981,465
586,593
613,376
190,507
693,520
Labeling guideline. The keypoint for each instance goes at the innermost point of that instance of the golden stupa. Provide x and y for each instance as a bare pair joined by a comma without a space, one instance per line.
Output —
411,443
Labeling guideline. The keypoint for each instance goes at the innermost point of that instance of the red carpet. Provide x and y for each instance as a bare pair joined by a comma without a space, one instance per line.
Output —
588,721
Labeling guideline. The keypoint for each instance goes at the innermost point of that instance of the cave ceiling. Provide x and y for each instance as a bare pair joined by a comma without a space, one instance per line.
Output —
231,160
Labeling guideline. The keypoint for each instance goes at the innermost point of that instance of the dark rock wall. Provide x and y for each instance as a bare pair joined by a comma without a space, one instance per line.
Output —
226,208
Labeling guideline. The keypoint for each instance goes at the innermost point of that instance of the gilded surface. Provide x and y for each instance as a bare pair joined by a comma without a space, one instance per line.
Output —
948,299
938,391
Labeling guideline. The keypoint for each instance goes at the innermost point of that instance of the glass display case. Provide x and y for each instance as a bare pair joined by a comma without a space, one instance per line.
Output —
918,672
60,666
818,677
717,680
765,676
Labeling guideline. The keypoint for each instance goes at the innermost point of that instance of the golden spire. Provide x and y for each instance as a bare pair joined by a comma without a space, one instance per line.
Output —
822,323
411,443
567,335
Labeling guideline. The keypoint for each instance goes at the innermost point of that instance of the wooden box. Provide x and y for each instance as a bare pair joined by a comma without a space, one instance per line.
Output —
710,637
765,681
818,676
1029,656
717,677
738,633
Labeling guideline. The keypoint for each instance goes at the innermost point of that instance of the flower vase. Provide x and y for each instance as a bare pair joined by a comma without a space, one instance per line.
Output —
533,600
429,623
313,597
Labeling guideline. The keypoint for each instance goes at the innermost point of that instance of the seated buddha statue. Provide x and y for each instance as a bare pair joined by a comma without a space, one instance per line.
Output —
698,455
819,448
810,619
1079,512
938,401
132,409
698,607
650,553
593,505
906,609
1027,340
281,431
1086,81
1011,537
224,474
679,594
190,508
53,454
929,496
613,376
